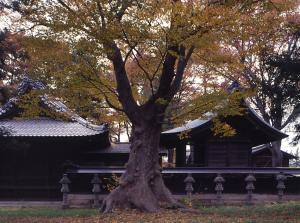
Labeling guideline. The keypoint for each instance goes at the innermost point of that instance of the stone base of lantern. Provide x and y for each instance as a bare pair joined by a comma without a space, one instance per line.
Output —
87,200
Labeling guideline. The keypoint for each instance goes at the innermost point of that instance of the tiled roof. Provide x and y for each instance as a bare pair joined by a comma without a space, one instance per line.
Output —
47,128
190,125
251,114
77,126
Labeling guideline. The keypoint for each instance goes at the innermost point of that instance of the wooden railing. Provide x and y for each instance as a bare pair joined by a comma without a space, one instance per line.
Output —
280,174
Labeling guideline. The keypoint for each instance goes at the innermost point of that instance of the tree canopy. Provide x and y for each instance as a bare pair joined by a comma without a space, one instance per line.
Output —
12,62
135,57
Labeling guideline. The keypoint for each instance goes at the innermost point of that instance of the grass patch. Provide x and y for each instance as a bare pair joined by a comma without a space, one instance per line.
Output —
46,212
272,213
258,210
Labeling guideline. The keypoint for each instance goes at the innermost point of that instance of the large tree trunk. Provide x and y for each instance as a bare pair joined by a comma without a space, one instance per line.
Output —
276,154
141,186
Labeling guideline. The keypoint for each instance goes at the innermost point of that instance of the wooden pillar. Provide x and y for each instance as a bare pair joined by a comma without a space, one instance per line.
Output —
180,155
170,155
199,155
192,155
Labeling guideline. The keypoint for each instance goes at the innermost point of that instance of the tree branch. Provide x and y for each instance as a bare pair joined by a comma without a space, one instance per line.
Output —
123,85
179,73
103,93
292,117
167,73
100,10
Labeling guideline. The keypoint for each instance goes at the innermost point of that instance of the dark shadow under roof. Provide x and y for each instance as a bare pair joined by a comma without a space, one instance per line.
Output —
120,148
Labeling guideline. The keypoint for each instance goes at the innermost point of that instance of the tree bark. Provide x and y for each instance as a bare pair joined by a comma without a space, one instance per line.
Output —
141,186
276,154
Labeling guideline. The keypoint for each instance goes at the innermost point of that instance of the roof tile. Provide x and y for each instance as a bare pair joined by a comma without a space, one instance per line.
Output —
47,128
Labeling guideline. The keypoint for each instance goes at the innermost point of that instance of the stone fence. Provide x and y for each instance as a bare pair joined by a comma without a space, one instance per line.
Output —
250,175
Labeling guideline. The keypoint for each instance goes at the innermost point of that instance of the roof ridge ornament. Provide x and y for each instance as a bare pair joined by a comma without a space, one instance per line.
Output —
234,86
25,85
28,83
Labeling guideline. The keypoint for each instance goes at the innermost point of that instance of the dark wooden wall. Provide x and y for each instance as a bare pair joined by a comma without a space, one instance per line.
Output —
227,153
264,159
30,169
216,152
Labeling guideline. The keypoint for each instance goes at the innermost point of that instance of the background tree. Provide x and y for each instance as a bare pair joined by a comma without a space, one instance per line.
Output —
269,66
275,77
162,37
297,137
280,89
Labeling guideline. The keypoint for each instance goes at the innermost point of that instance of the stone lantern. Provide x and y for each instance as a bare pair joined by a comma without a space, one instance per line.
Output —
250,179
189,180
96,181
65,181
280,185
219,180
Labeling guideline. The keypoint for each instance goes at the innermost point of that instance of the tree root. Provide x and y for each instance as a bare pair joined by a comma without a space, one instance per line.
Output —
140,196
136,197
189,210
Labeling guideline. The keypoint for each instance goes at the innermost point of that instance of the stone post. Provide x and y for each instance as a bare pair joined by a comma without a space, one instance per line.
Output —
219,180
65,190
250,179
189,180
96,189
280,185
